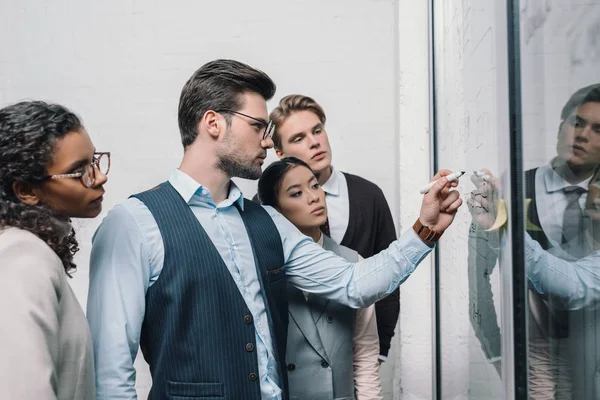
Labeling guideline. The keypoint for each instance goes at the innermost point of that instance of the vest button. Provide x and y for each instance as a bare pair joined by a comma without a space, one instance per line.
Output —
249,347
330,319
324,364
247,319
252,376
291,367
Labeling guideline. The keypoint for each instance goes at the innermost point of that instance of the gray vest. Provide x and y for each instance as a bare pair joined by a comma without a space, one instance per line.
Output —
319,351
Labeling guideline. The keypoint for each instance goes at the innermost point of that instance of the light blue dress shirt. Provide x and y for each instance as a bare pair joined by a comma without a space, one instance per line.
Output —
570,272
575,281
127,258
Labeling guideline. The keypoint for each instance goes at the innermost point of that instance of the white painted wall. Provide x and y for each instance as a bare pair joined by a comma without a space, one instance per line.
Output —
414,360
121,66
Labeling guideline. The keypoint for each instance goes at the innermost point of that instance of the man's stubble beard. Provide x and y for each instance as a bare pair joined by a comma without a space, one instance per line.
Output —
232,164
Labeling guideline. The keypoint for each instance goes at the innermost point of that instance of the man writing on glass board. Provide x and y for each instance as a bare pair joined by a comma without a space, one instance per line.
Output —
196,275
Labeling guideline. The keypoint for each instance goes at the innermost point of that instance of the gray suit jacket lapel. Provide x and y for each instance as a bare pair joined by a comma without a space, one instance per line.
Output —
300,313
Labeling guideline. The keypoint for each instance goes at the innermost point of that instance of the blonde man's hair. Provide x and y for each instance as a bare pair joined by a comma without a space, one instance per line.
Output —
289,105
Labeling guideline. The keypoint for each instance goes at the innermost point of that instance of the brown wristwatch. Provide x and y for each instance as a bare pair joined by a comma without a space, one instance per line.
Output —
425,233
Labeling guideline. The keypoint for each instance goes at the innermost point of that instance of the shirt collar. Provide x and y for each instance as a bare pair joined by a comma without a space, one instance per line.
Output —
187,188
332,186
554,182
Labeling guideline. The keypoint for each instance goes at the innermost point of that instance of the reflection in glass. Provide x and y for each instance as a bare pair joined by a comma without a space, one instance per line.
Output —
562,258
560,55
560,235
470,93
560,109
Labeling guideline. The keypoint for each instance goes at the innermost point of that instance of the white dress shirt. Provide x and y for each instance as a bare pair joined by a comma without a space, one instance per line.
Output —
338,204
367,380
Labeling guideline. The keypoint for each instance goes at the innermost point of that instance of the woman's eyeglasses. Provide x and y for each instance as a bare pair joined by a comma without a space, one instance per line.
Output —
87,175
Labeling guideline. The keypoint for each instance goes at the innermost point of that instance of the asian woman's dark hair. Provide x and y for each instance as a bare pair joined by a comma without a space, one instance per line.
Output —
29,132
271,178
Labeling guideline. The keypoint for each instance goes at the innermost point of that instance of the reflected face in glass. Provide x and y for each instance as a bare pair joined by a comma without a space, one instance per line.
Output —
579,137
73,153
303,136
592,203
301,199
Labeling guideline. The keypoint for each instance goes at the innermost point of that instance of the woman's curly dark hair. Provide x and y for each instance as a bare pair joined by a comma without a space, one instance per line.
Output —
29,132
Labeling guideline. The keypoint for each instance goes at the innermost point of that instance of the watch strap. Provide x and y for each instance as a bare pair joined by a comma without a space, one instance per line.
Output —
425,233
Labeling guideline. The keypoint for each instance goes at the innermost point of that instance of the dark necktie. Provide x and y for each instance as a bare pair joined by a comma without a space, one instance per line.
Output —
325,227
554,323
573,216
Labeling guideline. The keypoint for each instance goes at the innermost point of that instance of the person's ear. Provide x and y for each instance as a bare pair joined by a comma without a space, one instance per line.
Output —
561,125
26,193
213,123
279,153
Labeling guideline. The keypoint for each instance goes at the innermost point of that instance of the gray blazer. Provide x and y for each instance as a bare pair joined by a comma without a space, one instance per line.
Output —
45,341
320,342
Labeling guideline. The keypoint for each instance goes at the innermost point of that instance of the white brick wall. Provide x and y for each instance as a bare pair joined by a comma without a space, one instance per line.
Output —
121,66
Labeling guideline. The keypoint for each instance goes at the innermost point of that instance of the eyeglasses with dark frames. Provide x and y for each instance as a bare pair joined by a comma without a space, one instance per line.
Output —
87,175
268,125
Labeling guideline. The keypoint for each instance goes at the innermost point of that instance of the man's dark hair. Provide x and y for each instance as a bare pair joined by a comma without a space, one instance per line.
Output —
218,85
588,94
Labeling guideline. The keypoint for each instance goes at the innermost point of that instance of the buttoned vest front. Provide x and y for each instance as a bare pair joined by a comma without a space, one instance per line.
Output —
198,335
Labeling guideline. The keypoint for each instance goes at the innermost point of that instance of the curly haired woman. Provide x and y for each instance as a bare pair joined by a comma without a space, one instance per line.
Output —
49,173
